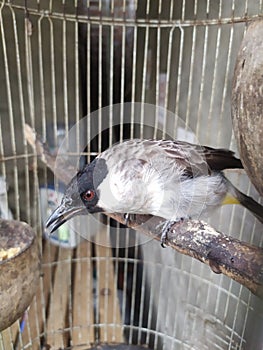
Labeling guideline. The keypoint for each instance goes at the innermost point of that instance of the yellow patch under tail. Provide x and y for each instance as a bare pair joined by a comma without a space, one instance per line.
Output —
229,199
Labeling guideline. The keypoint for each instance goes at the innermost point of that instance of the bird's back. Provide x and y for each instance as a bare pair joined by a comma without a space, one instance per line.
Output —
194,159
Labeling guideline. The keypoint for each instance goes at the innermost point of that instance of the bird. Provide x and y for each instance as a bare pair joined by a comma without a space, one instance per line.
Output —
171,179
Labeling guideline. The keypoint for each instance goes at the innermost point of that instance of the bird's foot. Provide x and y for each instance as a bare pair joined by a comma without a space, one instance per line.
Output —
166,228
129,217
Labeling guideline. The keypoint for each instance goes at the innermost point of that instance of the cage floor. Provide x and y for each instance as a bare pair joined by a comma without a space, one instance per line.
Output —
64,312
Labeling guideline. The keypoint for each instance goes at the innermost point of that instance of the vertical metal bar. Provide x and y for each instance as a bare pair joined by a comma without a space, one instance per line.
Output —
77,82
151,276
237,308
116,270
53,81
29,70
53,78
246,7
41,79
140,323
179,77
202,83
226,79
106,278
175,331
22,113
50,6
125,274
88,78
65,75
189,289
168,72
159,308
134,65
44,133
226,84
169,301
29,341
11,117
66,126
183,10
111,76
100,63
31,103
214,79
192,61
243,341
111,121
97,307
123,53
144,74
134,284
158,72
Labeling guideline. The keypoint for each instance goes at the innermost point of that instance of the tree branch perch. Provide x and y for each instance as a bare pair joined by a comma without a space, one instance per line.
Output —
236,259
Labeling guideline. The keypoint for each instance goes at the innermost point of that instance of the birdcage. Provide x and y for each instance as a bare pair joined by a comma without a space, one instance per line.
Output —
168,66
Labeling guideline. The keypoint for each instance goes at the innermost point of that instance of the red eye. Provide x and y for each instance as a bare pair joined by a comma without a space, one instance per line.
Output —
89,195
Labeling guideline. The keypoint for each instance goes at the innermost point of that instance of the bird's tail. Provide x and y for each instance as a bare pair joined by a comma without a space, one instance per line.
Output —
234,196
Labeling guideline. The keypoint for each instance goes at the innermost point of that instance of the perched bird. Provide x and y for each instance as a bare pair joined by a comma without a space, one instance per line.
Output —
171,179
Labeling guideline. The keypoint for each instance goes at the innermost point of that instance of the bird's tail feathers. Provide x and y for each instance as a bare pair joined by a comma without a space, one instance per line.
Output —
234,196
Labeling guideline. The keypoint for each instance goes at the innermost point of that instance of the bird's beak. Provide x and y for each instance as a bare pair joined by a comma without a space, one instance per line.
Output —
62,214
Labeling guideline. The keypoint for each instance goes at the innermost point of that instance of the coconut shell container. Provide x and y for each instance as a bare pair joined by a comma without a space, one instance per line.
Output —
19,269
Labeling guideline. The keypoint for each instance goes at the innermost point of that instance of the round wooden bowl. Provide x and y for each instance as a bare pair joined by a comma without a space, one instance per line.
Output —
19,269
247,103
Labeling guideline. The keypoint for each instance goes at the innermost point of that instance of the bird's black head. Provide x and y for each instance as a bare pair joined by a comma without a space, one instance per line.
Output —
81,195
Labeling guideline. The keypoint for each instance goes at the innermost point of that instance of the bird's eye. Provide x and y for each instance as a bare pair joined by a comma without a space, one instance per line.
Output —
89,195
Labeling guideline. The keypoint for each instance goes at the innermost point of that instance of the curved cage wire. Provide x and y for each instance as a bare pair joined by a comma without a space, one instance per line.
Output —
62,60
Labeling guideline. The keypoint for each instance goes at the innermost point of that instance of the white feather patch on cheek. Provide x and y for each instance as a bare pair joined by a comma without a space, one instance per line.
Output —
109,194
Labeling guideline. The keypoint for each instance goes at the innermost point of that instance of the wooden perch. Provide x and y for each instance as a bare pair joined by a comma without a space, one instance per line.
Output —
236,259
224,254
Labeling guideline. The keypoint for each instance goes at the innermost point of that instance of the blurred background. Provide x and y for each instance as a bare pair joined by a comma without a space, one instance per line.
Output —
63,60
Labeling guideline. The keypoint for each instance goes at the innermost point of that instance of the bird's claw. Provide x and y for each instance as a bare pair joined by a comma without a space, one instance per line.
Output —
165,230
163,245
128,217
